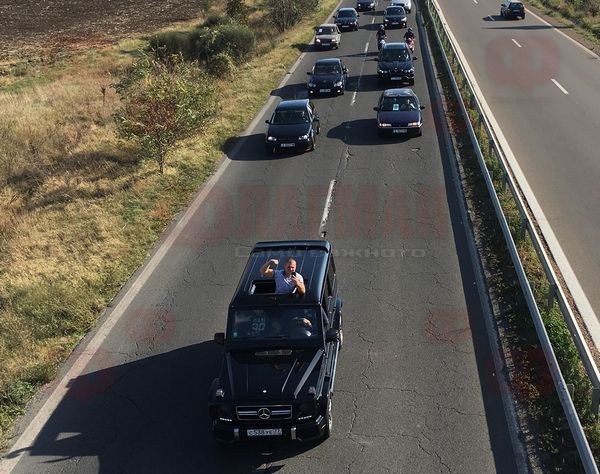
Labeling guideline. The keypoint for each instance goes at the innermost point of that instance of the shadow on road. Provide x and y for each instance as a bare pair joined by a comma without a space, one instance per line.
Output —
152,417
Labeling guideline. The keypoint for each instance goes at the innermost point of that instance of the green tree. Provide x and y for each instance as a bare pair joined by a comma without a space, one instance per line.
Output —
163,102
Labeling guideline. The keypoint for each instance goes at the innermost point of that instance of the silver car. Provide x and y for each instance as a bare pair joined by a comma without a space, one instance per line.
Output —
327,36
407,4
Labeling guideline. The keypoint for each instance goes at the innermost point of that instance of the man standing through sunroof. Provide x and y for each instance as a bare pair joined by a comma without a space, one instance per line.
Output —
286,280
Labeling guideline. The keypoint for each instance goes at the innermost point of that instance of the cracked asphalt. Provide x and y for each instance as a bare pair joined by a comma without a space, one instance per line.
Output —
415,387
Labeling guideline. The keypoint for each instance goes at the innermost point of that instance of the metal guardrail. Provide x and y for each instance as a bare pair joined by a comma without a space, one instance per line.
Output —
447,42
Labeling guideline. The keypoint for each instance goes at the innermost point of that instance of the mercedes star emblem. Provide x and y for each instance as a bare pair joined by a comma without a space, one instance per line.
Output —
264,413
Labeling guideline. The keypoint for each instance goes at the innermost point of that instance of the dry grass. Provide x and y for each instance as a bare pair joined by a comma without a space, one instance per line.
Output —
79,209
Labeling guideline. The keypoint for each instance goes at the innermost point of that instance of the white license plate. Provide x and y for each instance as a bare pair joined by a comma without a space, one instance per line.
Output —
265,432
287,145
396,78
395,22
324,90
399,130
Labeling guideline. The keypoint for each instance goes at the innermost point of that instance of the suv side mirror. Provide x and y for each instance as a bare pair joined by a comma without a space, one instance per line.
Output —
376,109
220,338
332,335
422,107
267,121
415,58
309,73
345,70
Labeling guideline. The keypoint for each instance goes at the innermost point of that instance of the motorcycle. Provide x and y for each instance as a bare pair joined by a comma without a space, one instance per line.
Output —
411,44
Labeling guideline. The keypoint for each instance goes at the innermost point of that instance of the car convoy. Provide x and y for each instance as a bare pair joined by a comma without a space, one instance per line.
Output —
294,125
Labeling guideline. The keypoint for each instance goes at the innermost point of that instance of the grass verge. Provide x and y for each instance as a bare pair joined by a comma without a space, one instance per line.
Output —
80,209
541,416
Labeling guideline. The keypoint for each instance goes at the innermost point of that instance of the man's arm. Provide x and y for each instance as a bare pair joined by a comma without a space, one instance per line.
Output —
266,269
299,282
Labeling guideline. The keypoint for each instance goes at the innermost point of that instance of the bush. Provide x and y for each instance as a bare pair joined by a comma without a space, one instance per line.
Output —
237,10
173,42
221,65
216,20
237,40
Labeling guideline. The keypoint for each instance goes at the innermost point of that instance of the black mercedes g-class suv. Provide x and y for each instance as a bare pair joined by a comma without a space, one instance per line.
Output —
280,350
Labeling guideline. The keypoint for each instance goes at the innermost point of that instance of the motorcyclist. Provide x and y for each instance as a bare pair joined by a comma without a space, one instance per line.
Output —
380,33
409,34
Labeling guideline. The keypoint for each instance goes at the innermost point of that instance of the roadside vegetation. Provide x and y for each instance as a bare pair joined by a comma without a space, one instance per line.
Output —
584,14
81,203
544,427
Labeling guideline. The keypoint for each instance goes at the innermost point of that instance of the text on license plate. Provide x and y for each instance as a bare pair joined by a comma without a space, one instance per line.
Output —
287,145
396,78
399,130
265,432
324,90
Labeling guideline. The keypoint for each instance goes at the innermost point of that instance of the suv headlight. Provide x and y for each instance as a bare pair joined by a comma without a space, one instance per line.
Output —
382,71
382,124
311,84
271,139
225,412
304,137
333,40
306,410
318,40
413,124
337,84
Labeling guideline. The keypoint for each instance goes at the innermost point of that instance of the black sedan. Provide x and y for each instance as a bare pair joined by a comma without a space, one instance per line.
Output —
399,113
294,125
366,4
512,10
347,19
394,17
395,64
328,76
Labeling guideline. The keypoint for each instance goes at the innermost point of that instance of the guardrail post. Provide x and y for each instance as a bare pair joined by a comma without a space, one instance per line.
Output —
571,389
595,400
522,228
551,293
504,180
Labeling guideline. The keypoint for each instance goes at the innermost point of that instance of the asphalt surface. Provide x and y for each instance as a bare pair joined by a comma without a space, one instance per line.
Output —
415,388
553,135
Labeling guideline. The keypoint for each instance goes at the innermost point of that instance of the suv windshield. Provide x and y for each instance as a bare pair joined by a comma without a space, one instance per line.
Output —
517,6
398,54
346,14
327,30
276,323
290,117
395,11
394,104
326,69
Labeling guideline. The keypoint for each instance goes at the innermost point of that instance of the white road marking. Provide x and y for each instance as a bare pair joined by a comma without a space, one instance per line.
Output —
353,98
372,20
366,47
575,42
26,440
359,76
581,300
491,18
515,41
475,2
559,86
326,209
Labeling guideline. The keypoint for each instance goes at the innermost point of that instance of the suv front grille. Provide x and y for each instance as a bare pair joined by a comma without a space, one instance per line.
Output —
264,412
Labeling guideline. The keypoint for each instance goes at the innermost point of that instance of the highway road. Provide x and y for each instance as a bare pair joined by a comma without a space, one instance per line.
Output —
543,91
415,391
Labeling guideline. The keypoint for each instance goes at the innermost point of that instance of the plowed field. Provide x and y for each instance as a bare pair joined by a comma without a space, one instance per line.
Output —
53,25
